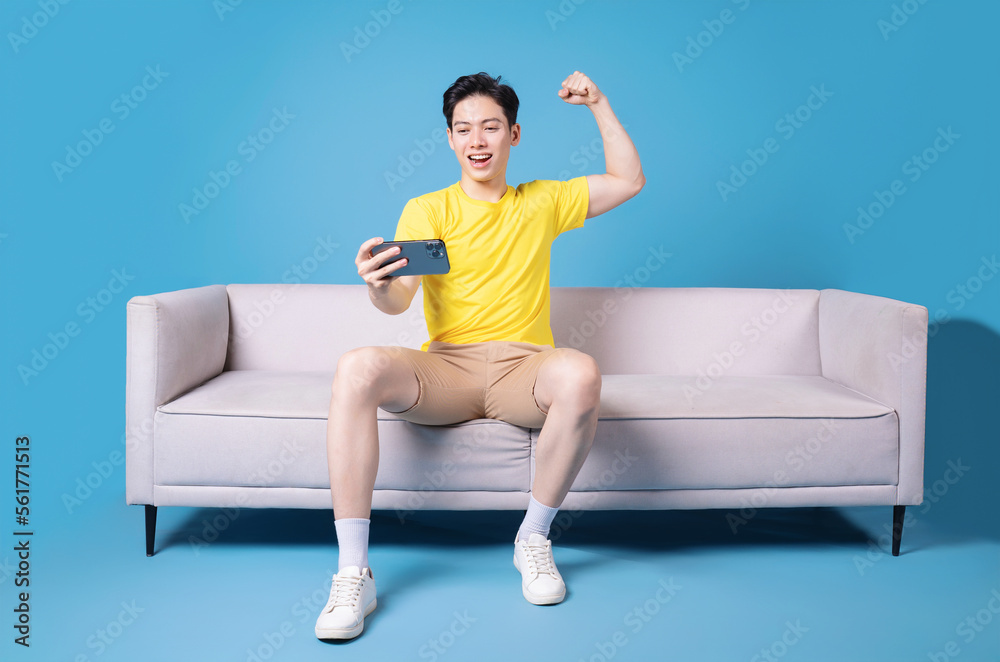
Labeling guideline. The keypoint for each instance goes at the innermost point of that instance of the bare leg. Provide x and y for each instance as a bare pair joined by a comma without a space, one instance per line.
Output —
568,387
367,378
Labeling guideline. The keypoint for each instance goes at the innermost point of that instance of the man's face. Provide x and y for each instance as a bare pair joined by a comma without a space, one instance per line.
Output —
481,138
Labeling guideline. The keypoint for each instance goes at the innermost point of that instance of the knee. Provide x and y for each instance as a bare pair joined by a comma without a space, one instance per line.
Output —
360,370
579,378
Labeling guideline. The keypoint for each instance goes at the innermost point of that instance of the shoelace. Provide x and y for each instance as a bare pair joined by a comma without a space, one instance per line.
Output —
346,592
540,558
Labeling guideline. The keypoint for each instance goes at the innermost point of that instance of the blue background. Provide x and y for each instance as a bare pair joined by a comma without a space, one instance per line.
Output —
358,117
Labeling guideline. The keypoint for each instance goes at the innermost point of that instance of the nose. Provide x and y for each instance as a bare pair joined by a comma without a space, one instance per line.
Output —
477,138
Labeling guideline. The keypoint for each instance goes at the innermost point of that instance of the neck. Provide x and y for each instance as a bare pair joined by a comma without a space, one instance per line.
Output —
488,191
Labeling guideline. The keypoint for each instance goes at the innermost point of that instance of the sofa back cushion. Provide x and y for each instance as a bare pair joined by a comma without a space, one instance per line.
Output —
691,330
308,326
682,331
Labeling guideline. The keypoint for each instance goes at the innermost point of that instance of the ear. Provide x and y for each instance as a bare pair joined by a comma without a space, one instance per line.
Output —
450,143
515,134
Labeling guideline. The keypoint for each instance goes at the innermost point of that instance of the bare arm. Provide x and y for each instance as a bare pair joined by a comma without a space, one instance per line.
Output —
390,294
623,178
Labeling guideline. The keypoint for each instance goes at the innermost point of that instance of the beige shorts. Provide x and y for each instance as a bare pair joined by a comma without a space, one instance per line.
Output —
462,382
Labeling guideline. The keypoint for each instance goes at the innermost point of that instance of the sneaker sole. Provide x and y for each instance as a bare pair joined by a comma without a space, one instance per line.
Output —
341,633
539,599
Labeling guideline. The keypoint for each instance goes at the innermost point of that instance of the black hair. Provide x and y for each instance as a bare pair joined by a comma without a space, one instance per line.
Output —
482,83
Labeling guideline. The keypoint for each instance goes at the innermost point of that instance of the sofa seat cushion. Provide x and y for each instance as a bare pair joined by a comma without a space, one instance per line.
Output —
274,394
260,393
262,427
761,431
762,396
266,428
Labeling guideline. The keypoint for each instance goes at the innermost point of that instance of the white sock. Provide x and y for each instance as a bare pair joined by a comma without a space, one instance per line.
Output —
538,519
352,539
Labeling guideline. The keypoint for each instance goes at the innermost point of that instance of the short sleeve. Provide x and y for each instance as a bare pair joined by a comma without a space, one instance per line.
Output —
415,223
572,199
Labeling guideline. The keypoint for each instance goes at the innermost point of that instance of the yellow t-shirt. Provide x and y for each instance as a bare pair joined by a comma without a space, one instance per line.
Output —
498,285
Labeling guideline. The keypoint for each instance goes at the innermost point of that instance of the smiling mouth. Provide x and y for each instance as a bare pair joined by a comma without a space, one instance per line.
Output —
480,160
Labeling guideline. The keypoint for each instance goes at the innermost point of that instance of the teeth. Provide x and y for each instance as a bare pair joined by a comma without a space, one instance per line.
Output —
479,157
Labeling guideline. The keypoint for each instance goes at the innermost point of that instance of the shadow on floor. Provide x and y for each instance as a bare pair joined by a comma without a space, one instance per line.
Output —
963,429
641,530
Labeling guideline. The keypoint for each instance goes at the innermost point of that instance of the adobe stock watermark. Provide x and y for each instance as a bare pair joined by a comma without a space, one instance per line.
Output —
7,570
364,34
249,149
779,647
411,162
122,107
596,318
588,152
969,628
30,25
786,126
242,329
265,474
223,7
963,293
212,529
879,547
753,329
87,485
958,296
437,646
635,620
290,452
105,637
461,451
565,519
375,361
417,319
900,14
699,43
796,460
87,311
913,168
562,12
304,610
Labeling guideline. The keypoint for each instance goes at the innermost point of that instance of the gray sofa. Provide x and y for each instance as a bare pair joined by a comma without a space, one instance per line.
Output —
731,398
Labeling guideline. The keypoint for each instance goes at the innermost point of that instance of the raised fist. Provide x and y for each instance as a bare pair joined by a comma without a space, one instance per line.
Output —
578,89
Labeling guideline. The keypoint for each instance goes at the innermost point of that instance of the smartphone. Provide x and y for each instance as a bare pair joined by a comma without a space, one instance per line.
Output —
426,257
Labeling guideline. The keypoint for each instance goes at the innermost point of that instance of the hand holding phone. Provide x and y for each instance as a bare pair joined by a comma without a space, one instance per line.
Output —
424,257
373,269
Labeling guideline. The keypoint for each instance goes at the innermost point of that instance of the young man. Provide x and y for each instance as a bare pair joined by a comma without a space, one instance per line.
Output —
488,321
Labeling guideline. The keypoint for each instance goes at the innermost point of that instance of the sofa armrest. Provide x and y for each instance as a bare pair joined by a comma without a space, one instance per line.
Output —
174,342
878,347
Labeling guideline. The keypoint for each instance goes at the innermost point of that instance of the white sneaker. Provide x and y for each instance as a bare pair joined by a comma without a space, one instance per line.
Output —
352,597
541,582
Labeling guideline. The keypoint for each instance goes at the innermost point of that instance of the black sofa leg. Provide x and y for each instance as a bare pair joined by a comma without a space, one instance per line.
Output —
150,529
897,527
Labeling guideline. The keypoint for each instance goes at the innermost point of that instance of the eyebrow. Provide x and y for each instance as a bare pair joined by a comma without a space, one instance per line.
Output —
488,119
